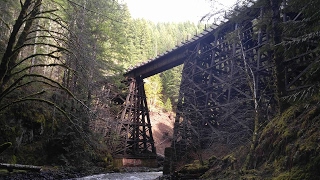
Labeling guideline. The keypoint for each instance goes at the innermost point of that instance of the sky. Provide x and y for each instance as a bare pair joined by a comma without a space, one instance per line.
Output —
173,10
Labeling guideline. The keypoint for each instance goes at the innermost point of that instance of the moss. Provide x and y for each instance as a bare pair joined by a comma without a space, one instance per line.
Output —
282,176
13,160
3,172
291,143
315,164
194,168
212,160
229,159
32,153
297,173
39,118
117,163
108,160
280,164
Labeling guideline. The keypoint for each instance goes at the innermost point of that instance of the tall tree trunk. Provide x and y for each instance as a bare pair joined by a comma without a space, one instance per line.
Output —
4,66
252,82
279,72
11,54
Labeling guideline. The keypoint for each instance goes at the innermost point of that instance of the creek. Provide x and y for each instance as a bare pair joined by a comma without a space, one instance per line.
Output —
124,176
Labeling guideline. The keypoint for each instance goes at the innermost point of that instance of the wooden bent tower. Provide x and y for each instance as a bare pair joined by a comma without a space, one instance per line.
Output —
136,144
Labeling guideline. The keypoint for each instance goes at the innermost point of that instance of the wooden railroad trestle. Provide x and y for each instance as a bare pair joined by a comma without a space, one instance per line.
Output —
216,101
135,127
228,74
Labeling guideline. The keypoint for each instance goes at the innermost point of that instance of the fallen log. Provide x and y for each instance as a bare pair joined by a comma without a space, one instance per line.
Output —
11,167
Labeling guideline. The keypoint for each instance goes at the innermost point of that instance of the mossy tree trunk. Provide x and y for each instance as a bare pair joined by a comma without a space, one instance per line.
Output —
279,70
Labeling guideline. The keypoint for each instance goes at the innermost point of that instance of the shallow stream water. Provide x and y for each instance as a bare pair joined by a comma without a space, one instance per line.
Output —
124,176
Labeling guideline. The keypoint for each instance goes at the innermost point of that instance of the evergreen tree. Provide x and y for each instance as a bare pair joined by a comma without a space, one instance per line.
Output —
153,88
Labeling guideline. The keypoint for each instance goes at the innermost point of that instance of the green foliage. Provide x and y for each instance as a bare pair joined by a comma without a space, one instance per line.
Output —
171,84
167,105
153,88
194,168
226,167
109,161
13,159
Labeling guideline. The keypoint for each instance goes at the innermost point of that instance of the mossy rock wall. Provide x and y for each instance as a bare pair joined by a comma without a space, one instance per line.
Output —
289,147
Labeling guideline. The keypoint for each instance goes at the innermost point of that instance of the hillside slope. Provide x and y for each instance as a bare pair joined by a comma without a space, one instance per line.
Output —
162,129
288,148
